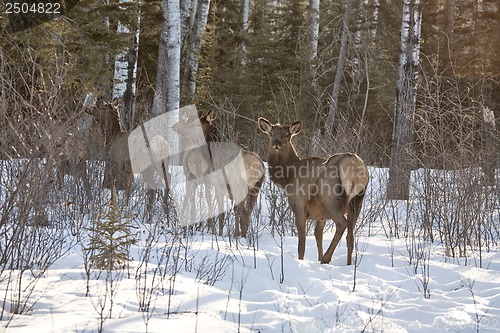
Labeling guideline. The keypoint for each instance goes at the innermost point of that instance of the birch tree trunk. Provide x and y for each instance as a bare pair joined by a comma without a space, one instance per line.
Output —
171,16
373,24
193,51
312,63
245,9
360,18
339,73
406,95
125,75
312,39
167,94
490,146
188,13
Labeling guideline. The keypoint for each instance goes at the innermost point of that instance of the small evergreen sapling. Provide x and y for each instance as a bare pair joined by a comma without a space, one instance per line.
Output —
110,238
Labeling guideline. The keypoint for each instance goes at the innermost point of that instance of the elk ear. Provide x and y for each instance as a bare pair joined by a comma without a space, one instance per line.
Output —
115,103
184,116
265,125
210,117
295,128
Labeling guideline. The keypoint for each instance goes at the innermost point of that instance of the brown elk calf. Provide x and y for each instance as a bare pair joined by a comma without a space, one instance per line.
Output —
197,161
317,189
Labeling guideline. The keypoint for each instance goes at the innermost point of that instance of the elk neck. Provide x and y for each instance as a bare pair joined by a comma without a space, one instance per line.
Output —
211,134
282,163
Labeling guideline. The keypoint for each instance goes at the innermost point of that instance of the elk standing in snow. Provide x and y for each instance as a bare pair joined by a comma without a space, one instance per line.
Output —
118,172
198,160
317,189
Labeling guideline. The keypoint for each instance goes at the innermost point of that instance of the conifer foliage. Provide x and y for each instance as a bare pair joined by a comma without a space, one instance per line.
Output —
110,238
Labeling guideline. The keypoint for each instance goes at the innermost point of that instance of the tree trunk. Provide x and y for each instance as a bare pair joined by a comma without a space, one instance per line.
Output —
188,13
312,63
193,51
168,71
490,147
245,9
373,24
167,93
171,17
340,72
125,75
406,95
359,27
312,40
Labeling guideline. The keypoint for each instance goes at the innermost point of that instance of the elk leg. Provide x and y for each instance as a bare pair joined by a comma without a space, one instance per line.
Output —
250,202
82,169
244,218
187,215
350,242
221,215
128,188
86,186
300,222
242,212
165,199
340,226
216,209
352,217
318,233
60,177
150,200
214,204
211,208
220,218
166,178
238,223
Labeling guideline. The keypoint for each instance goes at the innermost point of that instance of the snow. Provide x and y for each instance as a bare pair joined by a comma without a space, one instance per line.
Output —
218,284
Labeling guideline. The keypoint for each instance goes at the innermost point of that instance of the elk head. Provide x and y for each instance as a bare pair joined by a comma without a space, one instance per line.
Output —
280,136
188,125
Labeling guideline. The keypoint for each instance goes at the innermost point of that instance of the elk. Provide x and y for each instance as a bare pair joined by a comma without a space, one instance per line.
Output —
317,189
67,142
196,163
118,172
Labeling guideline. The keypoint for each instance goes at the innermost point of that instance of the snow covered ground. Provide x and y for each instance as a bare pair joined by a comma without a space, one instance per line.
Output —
205,283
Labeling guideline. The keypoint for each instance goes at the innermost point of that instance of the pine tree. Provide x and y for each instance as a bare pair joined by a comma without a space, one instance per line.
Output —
110,239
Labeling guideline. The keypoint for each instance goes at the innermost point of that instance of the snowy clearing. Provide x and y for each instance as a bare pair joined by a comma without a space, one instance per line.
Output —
204,283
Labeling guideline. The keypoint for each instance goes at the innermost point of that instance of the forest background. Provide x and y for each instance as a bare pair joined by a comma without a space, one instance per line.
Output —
333,64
